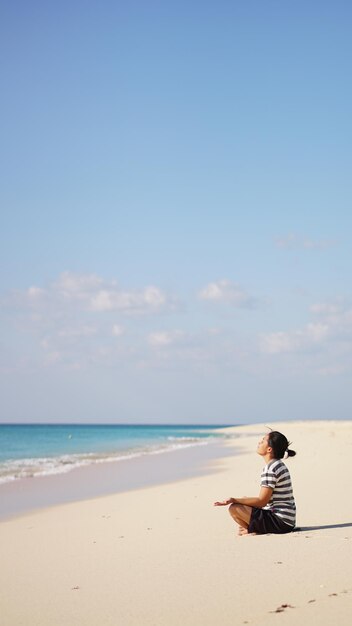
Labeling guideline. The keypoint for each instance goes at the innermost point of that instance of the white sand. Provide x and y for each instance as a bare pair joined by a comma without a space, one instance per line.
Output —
165,556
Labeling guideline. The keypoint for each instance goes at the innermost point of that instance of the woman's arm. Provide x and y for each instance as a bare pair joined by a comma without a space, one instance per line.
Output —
260,501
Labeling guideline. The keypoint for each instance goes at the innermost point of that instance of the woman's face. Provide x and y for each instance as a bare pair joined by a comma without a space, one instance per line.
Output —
263,445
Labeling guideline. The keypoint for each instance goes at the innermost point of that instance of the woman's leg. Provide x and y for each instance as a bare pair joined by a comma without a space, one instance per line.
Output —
242,515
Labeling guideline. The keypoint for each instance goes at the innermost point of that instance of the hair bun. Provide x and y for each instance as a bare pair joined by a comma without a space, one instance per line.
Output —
290,452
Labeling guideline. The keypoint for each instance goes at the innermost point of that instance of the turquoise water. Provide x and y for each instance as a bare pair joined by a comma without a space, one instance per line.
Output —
39,449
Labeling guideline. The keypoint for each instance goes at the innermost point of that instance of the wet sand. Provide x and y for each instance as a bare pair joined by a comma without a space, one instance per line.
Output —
95,480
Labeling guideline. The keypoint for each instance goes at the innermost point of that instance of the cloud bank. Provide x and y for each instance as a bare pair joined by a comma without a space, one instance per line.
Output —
92,293
327,339
82,321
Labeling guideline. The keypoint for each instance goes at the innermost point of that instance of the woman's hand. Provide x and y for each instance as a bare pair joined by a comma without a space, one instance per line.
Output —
225,502
260,501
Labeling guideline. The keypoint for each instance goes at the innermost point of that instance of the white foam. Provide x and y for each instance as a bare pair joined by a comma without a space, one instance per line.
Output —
17,469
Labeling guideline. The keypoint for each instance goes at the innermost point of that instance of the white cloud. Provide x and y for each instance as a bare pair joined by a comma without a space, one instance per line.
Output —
332,322
323,346
295,341
35,292
325,308
154,297
226,291
316,332
53,357
90,292
164,338
73,318
338,315
117,330
322,244
102,301
297,242
274,343
147,300
70,284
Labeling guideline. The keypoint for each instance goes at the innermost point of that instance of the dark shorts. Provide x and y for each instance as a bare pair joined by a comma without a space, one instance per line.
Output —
264,521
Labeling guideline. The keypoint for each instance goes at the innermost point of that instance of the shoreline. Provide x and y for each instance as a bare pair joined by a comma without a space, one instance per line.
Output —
35,450
27,495
163,554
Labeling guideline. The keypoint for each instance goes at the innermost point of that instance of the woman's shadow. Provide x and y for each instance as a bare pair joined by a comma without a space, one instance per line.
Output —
306,528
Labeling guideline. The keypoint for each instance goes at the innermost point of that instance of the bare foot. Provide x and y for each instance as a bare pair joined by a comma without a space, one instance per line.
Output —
244,531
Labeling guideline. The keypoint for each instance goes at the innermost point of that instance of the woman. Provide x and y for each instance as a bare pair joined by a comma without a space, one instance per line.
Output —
274,510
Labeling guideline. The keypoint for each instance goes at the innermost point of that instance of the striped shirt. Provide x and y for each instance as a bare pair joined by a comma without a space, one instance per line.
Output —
276,476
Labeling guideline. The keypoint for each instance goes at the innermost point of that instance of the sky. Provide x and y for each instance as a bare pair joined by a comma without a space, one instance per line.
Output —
175,231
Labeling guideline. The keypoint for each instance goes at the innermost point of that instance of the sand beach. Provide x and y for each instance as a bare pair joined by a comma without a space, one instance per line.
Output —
163,555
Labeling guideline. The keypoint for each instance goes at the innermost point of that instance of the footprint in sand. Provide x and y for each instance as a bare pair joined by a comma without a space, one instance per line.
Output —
282,607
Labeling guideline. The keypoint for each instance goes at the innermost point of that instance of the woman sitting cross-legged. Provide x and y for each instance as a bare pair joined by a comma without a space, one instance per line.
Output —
274,510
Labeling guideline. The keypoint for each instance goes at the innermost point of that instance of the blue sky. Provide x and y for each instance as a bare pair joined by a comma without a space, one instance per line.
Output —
175,241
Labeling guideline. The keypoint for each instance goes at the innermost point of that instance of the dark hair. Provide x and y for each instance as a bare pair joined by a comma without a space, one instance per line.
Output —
278,442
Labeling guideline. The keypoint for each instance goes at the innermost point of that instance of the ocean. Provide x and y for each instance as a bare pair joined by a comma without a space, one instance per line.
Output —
33,450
